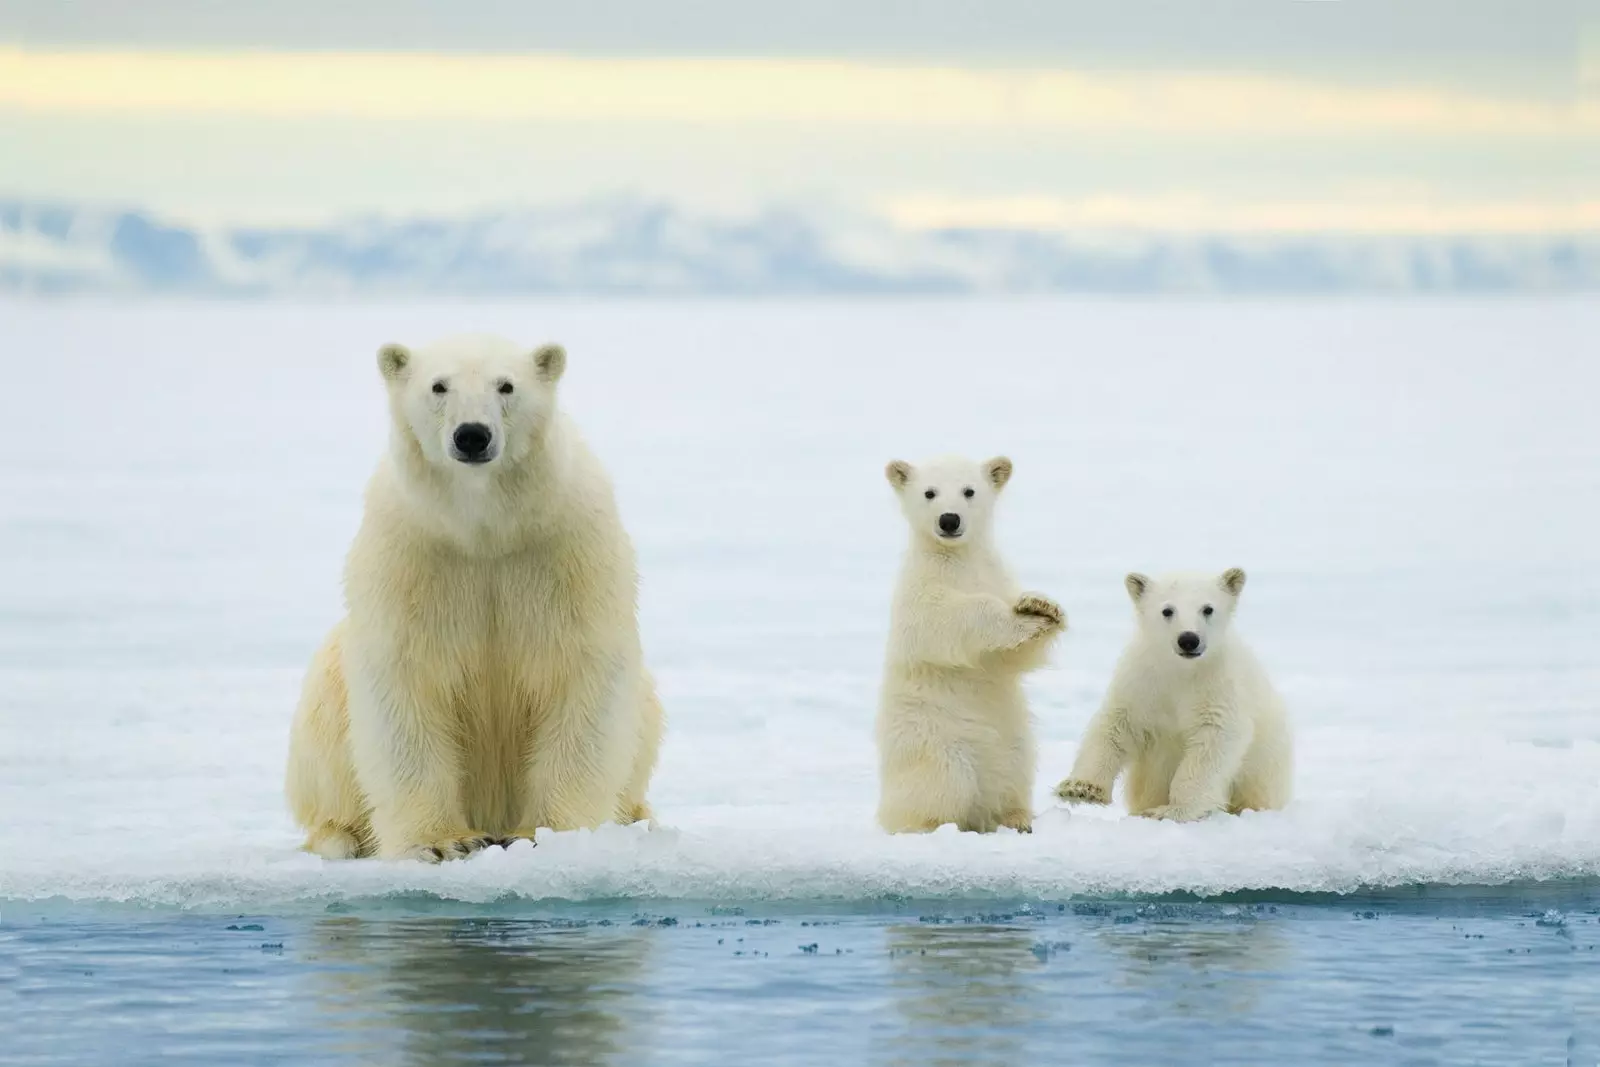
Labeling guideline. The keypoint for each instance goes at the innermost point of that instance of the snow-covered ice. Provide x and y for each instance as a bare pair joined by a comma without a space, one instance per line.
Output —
1413,488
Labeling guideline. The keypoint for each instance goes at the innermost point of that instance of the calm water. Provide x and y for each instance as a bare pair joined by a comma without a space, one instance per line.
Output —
1501,977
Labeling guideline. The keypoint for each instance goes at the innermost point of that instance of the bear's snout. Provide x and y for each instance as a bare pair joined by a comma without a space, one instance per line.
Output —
472,441
949,524
1189,644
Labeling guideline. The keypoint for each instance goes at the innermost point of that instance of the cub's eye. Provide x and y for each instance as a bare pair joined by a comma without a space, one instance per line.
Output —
1166,613
440,388
1206,611
931,493
968,492
505,388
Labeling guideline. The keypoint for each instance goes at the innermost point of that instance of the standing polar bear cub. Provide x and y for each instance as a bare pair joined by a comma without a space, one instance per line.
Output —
955,740
1191,714
487,680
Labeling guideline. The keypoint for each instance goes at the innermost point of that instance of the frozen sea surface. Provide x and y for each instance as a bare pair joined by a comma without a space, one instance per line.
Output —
1413,488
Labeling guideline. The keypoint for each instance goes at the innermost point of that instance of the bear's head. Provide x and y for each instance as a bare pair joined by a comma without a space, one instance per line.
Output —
472,402
950,500
1186,613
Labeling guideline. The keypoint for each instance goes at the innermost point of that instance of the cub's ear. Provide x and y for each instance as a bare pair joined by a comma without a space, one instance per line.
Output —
551,361
1232,580
1137,584
999,471
898,472
393,361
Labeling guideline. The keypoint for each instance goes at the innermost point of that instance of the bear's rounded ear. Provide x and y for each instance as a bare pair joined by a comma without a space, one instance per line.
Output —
1137,584
551,361
999,471
393,360
1232,580
898,472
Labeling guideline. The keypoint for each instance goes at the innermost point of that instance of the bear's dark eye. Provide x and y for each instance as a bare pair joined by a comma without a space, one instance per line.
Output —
1206,611
1166,613
931,493
505,388
968,492
440,388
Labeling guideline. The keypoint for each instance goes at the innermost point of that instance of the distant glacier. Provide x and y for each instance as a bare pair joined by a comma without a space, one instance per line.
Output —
633,247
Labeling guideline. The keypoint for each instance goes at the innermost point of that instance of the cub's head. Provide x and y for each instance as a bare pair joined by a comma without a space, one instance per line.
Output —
949,500
1187,614
472,402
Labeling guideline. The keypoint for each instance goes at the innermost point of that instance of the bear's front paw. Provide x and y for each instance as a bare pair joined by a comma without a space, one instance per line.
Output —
1041,607
1076,792
1175,813
451,848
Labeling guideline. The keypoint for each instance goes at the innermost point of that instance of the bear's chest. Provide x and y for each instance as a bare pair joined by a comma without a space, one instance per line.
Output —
504,612
979,578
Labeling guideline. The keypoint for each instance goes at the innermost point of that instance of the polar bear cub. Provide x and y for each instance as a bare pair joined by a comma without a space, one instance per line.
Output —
955,740
1191,714
487,679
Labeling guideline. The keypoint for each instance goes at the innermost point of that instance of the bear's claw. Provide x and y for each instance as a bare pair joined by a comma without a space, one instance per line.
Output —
1076,792
507,840
453,848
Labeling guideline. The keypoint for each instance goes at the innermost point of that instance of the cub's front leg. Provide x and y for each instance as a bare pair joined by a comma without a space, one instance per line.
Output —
1105,751
962,628
1035,651
1212,755
407,758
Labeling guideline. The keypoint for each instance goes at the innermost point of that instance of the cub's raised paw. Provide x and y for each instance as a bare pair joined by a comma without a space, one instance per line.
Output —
1076,792
452,848
1041,607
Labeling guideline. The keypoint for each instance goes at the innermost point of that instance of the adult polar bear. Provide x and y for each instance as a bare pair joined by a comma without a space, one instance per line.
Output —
487,679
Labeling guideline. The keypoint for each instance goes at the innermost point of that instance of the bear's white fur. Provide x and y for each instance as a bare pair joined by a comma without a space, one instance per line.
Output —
955,739
487,679
1191,714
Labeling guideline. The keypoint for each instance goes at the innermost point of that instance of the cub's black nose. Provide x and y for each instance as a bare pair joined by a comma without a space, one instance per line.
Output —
472,440
949,522
1188,641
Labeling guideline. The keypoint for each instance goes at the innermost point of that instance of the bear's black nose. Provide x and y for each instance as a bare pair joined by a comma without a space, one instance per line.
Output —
1188,641
472,440
949,522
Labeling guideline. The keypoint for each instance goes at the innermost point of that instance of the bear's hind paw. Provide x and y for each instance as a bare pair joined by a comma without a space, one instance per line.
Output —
1175,813
334,842
1020,820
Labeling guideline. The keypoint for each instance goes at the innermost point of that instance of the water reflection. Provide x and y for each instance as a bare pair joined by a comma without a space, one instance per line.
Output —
1222,965
434,991
963,993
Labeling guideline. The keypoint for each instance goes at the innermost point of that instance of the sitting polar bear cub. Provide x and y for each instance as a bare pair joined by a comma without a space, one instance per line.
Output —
1191,714
955,740
487,680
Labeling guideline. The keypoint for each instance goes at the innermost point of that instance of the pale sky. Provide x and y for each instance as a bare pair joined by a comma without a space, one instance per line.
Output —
1421,115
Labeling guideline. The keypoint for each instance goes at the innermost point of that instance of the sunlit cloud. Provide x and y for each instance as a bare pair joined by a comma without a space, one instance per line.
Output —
742,90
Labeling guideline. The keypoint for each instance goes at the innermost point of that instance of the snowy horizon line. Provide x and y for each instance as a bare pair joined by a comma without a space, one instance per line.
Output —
638,246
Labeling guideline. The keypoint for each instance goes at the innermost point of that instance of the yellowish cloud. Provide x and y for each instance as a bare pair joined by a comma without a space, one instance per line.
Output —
1204,214
556,88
